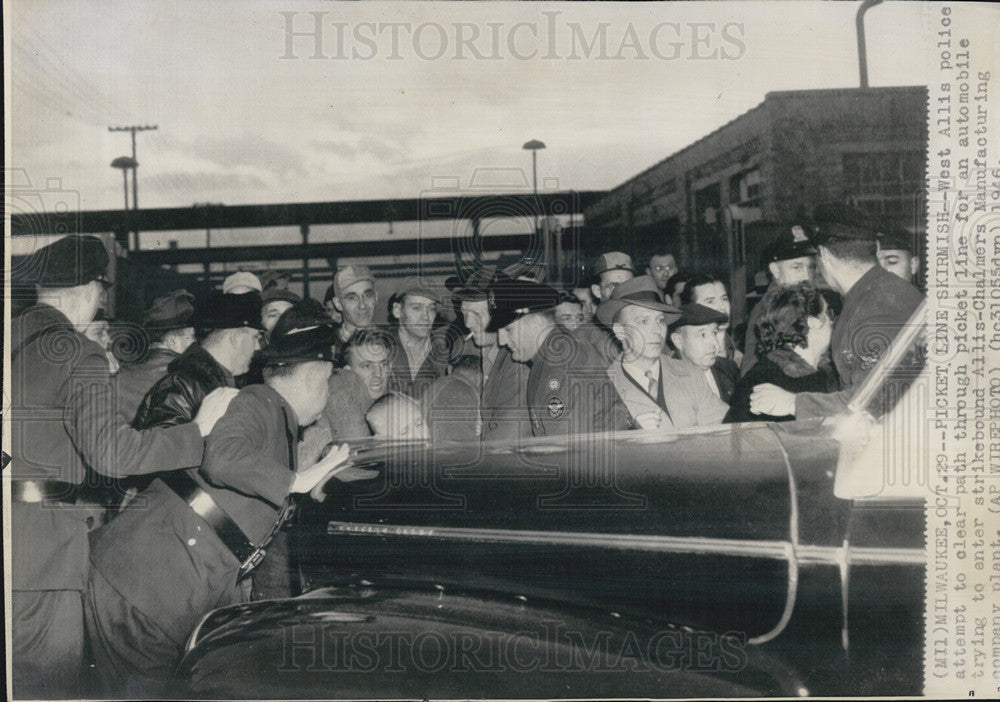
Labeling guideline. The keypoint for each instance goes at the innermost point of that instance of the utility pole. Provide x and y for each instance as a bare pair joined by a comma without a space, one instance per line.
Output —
135,181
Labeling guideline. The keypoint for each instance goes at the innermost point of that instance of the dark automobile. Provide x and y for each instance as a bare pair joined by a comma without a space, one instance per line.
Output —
730,561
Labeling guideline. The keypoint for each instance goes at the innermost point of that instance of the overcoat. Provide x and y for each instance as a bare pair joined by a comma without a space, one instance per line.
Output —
504,410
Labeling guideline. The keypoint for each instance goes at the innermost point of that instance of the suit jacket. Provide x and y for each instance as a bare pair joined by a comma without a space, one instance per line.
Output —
504,410
875,310
689,401
64,421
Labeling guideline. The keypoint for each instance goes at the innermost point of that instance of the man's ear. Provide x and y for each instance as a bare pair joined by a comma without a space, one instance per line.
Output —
336,303
772,267
397,310
619,331
674,336
914,265
595,290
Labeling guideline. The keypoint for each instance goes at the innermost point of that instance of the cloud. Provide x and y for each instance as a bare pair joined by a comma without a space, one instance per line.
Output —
256,152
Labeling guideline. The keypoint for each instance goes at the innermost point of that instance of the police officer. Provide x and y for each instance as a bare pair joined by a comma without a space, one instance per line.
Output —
64,421
185,544
791,260
877,304
568,388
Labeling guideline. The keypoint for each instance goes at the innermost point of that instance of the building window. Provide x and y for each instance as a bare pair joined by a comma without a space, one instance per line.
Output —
884,182
745,188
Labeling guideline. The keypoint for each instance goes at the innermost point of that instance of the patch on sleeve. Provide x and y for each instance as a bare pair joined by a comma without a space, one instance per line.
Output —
556,407
553,383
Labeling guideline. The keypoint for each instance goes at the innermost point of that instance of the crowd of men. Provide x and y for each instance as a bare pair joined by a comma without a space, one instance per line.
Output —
245,400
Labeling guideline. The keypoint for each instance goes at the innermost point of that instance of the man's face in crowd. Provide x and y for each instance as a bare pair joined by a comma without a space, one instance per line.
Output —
661,268
315,390
699,345
586,302
371,363
609,281
476,314
712,295
643,332
521,337
179,340
401,418
794,271
569,315
245,341
100,332
416,315
357,303
899,262
332,312
270,313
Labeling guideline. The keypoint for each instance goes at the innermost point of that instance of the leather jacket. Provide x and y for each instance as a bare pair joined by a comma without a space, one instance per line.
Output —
176,397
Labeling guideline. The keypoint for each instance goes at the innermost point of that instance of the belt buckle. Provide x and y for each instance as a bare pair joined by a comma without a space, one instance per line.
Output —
252,561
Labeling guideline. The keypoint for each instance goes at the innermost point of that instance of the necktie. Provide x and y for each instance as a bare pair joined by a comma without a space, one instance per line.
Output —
652,388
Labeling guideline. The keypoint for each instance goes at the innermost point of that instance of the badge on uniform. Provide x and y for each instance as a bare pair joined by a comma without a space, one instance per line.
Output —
553,383
556,407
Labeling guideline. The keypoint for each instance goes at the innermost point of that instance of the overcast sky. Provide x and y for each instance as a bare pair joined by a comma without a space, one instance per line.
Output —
243,119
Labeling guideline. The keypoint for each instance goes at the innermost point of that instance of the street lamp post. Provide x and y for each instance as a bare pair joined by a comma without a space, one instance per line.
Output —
533,146
125,163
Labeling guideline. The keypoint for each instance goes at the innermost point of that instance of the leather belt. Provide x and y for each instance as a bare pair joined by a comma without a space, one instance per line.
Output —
42,491
228,531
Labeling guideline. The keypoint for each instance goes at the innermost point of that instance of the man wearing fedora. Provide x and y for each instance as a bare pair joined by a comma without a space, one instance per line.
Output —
791,260
64,422
234,334
660,392
568,391
170,330
188,542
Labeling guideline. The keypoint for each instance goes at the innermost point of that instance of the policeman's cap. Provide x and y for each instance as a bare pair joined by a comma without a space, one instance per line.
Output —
841,222
895,239
792,242
232,311
71,261
512,299
301,344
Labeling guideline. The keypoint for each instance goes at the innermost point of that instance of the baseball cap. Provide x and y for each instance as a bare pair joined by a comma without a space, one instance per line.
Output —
241,278
613,261
414,286
348,276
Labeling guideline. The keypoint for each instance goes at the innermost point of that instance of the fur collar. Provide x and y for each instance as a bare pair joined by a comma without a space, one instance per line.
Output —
790,363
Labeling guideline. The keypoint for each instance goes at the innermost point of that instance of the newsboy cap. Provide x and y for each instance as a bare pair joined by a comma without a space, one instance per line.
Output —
511,299
231,311
73,260
642,291
414,286
792,242
613,261
274,292
300,344
172,311
695,315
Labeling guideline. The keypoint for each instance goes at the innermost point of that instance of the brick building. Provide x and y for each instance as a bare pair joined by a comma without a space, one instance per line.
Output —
717,202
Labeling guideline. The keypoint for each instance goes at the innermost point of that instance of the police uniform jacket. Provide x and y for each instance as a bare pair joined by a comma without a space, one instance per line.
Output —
875,310
504,411
569,391
600,338
177,396
64,419
135,380
164,559
687,399
435,364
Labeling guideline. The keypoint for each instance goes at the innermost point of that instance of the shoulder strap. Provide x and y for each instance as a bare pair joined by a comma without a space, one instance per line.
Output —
27,341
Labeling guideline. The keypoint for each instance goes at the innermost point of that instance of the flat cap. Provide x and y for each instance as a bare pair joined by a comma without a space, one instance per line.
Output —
274,292
232,311
476,286
695,315
300,344
792,242
641,291
172,311
348,276
414,286
613,261
511,299
243,278
73,260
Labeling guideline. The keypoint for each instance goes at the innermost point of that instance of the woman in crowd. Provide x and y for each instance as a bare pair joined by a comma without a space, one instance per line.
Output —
793,335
